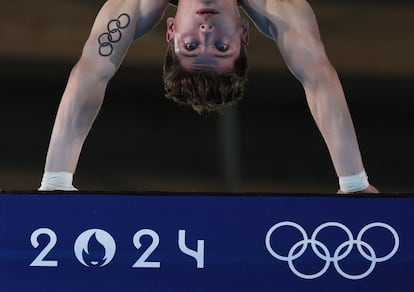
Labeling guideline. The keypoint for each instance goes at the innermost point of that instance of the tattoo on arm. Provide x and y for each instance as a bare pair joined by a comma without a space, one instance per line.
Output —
114,34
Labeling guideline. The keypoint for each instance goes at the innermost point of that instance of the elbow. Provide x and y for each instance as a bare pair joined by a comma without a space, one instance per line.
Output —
318,72
94,66
310,64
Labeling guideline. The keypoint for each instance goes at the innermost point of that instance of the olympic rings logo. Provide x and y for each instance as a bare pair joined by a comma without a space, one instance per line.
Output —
114,34
341,252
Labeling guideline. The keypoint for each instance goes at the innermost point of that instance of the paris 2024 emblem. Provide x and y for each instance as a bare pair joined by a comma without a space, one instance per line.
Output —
95,248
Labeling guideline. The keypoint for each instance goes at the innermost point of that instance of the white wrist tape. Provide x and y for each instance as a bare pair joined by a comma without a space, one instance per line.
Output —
57,181
354,183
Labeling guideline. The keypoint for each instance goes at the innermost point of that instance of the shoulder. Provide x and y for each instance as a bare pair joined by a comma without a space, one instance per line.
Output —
149,13
258,12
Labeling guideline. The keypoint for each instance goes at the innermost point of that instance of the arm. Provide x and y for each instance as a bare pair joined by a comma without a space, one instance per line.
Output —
292,25
118,23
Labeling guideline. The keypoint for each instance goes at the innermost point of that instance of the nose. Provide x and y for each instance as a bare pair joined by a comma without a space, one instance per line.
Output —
206,27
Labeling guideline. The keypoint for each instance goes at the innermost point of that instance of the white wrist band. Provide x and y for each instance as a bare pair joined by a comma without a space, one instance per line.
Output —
353,183
57,181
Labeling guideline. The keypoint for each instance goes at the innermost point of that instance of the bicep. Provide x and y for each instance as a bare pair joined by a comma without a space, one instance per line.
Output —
116,26
294,28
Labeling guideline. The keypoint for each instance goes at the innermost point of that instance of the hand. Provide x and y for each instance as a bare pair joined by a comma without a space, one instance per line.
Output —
368,190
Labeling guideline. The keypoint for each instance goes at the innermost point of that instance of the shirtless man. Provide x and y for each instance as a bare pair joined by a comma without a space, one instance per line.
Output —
205,36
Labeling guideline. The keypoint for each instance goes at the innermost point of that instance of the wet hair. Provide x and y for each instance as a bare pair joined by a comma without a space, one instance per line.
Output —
204,91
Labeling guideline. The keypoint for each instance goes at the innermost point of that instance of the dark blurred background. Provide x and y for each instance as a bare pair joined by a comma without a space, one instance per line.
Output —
269,143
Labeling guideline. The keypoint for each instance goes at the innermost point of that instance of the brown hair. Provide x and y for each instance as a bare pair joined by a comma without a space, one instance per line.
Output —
204,91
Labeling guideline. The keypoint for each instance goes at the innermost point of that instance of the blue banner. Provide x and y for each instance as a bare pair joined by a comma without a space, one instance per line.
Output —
196,242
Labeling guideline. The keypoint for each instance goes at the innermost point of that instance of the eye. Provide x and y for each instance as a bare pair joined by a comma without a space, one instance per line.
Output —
222,47
191,46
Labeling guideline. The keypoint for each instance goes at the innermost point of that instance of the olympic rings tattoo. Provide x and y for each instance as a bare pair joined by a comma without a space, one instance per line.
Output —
114,34
341,252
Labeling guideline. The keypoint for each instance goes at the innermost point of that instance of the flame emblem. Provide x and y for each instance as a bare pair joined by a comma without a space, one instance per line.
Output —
95,248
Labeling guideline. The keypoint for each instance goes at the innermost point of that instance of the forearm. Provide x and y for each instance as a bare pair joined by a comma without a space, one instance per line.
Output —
78,108
328,106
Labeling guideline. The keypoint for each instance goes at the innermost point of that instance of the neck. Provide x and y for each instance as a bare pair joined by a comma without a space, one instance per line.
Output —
186,6
221,3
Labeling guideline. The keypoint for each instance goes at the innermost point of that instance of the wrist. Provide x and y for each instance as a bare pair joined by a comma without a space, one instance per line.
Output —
57,181
354,183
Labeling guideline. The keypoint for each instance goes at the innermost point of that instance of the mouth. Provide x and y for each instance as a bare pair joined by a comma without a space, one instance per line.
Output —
207,12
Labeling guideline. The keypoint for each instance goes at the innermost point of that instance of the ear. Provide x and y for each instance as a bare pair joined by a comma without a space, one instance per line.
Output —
170,29
245,32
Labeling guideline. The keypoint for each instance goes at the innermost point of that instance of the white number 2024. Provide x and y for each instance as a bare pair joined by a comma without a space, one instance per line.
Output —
142,262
